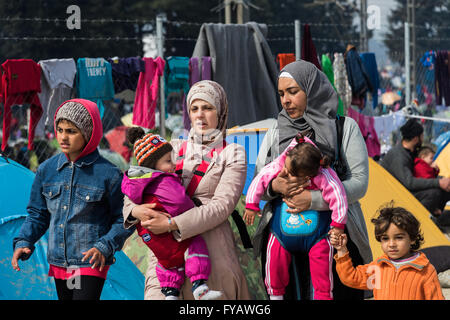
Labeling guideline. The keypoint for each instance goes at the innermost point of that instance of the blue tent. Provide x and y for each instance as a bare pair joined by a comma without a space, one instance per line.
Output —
441,142
124,281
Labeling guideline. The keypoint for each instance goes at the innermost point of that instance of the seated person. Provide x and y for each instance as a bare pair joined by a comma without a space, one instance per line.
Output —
399,161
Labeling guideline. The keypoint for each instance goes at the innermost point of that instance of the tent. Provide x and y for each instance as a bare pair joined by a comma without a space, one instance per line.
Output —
250,137
383,188
442,156
124,281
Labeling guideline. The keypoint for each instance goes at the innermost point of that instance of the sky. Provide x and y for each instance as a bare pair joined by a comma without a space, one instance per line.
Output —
376,44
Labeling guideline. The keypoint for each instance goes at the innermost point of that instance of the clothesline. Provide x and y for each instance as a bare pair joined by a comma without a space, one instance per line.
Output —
427,118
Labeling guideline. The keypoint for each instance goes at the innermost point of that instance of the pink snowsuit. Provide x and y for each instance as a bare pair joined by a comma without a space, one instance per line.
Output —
278,258
166,190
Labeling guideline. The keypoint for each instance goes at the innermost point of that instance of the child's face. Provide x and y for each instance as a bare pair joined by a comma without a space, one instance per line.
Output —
396,243
165,163
428,158
70,139
287,171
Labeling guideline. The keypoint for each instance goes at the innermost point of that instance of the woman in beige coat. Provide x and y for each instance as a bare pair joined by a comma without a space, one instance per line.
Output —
219,191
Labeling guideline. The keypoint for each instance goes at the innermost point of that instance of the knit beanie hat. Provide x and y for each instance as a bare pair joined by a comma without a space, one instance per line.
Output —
150,148
76,113
411,129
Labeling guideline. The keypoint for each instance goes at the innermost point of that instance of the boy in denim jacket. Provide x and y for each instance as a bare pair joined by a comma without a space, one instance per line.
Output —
77,196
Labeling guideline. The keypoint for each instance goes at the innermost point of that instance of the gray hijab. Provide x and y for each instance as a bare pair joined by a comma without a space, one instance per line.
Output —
321,108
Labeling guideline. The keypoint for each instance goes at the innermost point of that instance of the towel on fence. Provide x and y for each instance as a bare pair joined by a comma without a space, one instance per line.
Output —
57,81
309,52
284,59
147,93
125,72
341,83
246,69
94,81
370,64
357,76
21,82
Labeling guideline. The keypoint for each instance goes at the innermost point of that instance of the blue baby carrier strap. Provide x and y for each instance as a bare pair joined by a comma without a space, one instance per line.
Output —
299,232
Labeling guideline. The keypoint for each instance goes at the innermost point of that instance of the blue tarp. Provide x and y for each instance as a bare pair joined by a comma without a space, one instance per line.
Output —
441,142
251,141
124,281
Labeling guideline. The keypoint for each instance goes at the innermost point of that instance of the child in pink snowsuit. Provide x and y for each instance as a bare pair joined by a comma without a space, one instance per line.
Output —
305,231
154,181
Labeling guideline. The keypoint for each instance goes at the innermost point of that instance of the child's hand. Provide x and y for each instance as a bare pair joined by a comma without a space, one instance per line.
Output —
249,216
19,254
98,259
336,231
434,165
339,242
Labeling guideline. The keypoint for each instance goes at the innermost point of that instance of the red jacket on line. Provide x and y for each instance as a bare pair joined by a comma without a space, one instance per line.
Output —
21,81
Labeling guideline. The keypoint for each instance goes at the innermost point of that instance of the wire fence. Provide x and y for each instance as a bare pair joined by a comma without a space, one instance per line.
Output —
118,110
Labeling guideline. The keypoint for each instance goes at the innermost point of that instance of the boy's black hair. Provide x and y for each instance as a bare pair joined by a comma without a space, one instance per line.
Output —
401,218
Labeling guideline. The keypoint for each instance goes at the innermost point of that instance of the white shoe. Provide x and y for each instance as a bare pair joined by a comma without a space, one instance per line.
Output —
172,298
204,293
276,297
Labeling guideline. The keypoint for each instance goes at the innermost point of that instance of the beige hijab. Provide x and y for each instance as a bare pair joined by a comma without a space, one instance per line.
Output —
213,93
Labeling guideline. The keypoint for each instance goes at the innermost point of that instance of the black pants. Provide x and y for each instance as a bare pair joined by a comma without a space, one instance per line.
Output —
84,288
432,199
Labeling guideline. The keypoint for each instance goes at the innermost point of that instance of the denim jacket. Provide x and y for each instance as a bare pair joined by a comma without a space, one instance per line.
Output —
81,205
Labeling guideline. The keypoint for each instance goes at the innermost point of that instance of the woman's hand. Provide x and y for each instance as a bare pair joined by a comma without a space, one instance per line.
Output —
144,212
287,185
299,202
158,222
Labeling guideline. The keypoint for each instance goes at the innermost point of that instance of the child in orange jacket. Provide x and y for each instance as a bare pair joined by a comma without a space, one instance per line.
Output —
402,273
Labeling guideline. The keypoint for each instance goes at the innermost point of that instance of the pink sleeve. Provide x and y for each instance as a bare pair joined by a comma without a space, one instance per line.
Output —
333,193
261,182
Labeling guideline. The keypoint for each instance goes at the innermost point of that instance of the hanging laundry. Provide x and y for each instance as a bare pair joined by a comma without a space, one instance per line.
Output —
357,76
370,64
176,74
249,77
442,78
328,70
341,83
125,72
57,81
428,59
384,126
367,127
199,69
284,59
309,52
21,82
147,93
94,81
